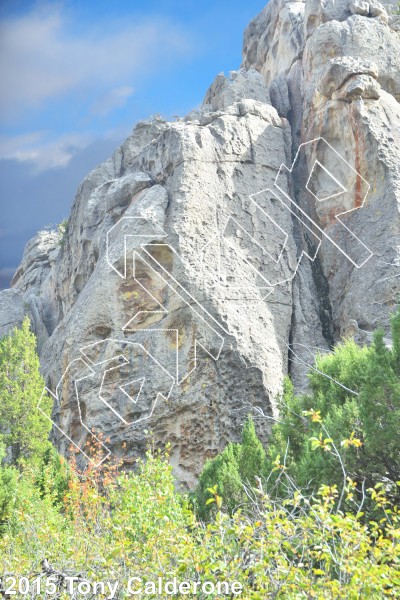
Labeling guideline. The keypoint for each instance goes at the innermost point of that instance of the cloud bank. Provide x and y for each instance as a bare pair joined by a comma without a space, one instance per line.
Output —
43,55
53,66
41,152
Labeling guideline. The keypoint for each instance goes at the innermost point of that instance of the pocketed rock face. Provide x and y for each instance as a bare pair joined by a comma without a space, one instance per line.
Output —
177,184
343,86
232,274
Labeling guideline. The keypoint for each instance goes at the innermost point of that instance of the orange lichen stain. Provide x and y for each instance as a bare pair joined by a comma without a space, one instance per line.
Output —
332,214
358,193
329,218
358,198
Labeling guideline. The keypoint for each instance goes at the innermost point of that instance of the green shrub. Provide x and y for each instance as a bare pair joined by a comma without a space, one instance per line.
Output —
8,488
236,468
138,523
23,428
101,524
62,229
52,475
354,402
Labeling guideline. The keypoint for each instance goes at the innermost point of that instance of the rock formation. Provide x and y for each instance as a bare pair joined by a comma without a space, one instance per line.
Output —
210,256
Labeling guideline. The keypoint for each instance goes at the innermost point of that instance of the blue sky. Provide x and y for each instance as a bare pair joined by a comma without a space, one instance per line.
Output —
77,74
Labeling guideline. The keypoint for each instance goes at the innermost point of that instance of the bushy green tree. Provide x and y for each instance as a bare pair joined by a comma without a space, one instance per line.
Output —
251,458
23,428
138,524
355,404
52,475
238,466
220,473
28,461
8,489
103,525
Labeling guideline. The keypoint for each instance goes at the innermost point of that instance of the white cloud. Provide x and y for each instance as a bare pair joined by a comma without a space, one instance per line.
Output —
41,152
116,98
42,56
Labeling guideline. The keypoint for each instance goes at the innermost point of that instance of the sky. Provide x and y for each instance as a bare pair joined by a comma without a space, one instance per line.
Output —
76,75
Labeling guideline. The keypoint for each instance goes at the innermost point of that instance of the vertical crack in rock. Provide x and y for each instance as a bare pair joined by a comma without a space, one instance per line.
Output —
323,297
205,185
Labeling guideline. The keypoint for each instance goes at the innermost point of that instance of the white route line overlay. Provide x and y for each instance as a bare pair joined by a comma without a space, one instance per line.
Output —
86,360
156,233
159,232
57,399
222,238
252,197
337,217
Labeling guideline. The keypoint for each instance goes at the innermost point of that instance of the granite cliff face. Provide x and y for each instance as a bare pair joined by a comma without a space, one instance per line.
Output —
210,256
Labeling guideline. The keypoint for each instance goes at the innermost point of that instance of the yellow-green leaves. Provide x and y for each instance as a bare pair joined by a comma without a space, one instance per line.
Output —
314,414
138,523
351,441
214,498
321,442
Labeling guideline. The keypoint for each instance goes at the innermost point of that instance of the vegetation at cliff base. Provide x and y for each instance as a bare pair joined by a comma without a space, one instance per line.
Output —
314,515
23,429
237,467
345,430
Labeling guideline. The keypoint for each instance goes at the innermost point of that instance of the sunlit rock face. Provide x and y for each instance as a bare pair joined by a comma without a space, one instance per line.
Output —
211,256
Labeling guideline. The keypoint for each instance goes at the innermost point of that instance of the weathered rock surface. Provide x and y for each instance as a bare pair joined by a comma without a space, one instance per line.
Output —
12,310
223,275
